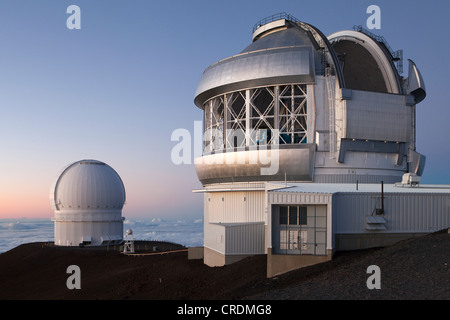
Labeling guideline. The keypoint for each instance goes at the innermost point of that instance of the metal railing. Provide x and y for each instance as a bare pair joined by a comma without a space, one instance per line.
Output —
274,17
397,56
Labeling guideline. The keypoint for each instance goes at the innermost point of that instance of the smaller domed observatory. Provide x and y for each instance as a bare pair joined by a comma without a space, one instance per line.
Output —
296,110
87,199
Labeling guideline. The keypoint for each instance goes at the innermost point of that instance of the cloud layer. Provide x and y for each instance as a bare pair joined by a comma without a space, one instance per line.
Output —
14,232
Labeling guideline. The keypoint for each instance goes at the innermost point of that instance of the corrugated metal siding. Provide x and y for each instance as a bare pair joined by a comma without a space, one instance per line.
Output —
236,186
298,198
236,207
377,116
234,222
420,213
72,233
235,239
245,239
403,212
352,178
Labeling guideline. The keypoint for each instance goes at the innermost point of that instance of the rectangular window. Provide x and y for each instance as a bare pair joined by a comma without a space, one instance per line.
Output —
303,215
302,229
293,216
283,215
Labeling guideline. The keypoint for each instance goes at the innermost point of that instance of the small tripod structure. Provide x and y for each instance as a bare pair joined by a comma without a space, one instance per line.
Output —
129,242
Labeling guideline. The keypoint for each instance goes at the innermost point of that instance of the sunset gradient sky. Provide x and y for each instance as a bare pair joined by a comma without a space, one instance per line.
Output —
115,90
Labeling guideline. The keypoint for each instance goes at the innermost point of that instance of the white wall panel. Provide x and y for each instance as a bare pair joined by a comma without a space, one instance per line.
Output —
236,207
214,237
377,116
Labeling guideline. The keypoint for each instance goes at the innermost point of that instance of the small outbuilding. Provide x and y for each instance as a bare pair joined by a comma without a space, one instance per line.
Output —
310,221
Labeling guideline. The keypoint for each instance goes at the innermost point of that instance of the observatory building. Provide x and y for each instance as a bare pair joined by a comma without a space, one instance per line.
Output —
87,199
309,147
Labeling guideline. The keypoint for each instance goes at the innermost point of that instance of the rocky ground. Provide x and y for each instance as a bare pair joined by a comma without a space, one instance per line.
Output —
415,269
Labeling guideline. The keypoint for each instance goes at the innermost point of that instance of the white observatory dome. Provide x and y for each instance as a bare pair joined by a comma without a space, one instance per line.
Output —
88,185
87,198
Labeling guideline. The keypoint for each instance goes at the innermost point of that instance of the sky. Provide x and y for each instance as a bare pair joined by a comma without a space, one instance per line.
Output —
117,88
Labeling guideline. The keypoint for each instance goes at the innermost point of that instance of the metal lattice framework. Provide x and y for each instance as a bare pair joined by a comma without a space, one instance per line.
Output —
293,114
265,116
214,116
236,119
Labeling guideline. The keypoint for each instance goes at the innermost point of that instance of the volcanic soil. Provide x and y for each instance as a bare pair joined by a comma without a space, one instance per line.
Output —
414,269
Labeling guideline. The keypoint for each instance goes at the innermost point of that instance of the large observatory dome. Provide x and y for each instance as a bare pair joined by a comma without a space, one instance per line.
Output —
328,109
291,116
88,184
88,197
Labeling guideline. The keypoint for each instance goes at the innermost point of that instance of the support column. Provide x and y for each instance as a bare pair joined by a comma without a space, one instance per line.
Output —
276,116
310,114
248,115
225,121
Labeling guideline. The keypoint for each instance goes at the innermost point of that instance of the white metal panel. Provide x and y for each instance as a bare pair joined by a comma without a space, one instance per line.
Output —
89,216
214,237
214,204
378,116
236,207
72,233
269,26
320,103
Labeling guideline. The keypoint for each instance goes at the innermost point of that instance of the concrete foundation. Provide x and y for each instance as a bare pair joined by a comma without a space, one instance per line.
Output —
281,263
195,253
216,259
346,242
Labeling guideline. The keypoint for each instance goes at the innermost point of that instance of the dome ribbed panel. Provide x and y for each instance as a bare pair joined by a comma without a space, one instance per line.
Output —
89,184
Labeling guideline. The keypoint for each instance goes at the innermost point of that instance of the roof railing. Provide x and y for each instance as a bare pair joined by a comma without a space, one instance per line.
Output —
274,17
397,56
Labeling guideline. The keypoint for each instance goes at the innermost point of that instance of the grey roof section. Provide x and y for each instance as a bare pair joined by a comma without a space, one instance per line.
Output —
286,56
261,68
330,188
284,38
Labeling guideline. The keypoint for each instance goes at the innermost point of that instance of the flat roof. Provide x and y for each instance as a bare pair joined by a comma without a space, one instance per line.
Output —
330,188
